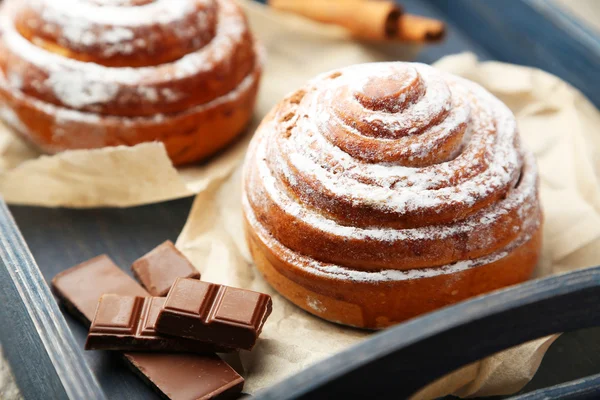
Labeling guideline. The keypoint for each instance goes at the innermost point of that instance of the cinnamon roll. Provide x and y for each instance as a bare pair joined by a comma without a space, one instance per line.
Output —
81,74
382,191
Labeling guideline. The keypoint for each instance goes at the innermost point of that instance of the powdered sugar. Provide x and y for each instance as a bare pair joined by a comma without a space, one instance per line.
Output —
150,94
394,188
120,3
89,14
315,304
15,81
75,91
329,226
436,99
116,35
338,272
313,168
9,116
88,86
65,117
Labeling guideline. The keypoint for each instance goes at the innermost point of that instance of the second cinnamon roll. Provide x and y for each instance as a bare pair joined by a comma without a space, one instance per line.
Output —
83,74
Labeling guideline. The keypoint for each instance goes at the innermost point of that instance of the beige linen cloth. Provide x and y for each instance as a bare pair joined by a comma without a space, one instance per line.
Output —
555,120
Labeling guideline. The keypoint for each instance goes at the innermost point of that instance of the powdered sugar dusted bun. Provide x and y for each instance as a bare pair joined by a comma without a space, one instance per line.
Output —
136,64
377,180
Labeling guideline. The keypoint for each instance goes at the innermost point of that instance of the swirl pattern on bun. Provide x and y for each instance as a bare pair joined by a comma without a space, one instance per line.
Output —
96,73
377,182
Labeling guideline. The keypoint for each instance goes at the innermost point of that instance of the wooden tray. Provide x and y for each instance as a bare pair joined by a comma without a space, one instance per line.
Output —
44,346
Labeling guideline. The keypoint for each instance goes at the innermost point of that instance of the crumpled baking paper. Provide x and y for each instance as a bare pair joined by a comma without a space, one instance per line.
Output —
555,120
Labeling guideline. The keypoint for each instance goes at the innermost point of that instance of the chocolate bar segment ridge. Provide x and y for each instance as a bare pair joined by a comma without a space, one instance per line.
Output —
213,313
128,323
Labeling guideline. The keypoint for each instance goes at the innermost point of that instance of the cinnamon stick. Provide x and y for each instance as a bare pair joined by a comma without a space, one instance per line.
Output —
367,19
414,28
372,20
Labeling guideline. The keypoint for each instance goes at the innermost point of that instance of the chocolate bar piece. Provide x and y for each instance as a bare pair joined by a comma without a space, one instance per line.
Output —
78,283
213,313
128,323
184,376
158,269
175,376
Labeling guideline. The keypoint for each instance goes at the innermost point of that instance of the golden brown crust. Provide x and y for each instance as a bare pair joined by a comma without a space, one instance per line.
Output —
188,136
376,305
378,179
182,72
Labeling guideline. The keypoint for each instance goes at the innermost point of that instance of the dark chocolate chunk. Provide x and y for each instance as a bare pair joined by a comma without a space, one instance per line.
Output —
175,376
213,313
128,323
158,269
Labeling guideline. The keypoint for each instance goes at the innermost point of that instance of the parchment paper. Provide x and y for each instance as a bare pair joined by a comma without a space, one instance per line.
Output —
555,121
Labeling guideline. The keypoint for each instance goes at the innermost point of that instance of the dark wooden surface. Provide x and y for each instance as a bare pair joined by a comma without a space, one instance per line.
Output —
45,343
60,238
579,389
